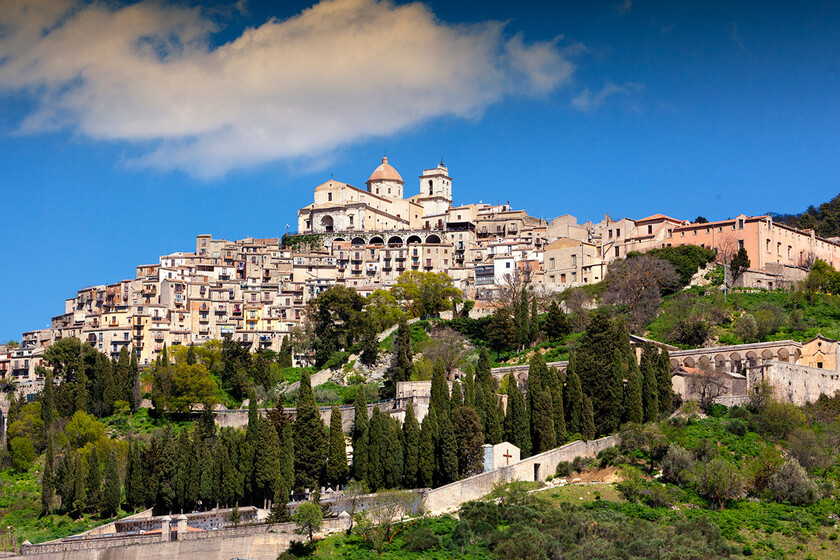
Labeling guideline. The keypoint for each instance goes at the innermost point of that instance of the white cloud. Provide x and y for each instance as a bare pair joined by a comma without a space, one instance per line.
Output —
624,8
340,71
586,101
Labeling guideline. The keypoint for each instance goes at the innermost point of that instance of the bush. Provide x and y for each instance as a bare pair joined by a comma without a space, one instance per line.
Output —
677,464
420,539
737,427
720,481
790,483
564,469
23,453
336,359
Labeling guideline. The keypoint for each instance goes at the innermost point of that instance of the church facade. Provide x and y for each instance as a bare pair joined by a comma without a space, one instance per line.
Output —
381,207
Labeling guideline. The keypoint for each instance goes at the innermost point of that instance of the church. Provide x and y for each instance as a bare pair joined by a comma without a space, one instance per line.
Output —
381,207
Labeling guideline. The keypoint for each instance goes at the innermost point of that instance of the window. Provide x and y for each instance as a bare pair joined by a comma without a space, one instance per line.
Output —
609,236
778,249
563,278
767,245
507,265
574,276
650,230
789,251
329,197
551,262
740,243
740,223
617,252
574,260
351,220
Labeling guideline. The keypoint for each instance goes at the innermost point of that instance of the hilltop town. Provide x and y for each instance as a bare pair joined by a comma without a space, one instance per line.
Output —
256,290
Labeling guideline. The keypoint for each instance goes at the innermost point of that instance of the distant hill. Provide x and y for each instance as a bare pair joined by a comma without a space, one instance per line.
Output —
825,219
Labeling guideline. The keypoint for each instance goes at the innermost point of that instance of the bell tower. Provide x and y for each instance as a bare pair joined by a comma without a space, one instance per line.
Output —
436,182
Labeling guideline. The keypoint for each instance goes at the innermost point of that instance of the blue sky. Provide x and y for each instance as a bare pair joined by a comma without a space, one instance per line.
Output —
126,130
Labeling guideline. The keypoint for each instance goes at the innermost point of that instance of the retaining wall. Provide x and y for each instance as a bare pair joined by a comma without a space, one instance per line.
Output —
538,467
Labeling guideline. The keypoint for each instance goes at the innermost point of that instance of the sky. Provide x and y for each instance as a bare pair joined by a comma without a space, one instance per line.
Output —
127,128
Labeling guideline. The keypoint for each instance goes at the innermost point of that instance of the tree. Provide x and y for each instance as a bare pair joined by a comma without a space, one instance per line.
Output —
574,400
546,436
48,405
633,405
638,283
790,483
336,320
401,361
619,373
425,294
650,389
457,399
588,421
411,454
80,502
111,489
178,387
370,343
470,439
384,511
439,399
739,264
359,436
446,452
746,328
354,493
48,479
707,385
489,413
426,458
309,518
483,373
555,387
469,388
377,451
337,469
557,326
447,346
719,481
517,430
663,382
501,332
267,469
310,438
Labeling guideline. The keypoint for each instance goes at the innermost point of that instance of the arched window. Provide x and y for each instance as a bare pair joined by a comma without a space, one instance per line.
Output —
431,187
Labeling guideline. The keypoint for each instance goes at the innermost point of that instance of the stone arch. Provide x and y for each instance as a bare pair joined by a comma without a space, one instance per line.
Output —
797,355
376,240
767,354
688,361
784,355
434,238
752,358
413,240
357,241
327,223
720,362
338,239
735,360
395,241
675,363
704,362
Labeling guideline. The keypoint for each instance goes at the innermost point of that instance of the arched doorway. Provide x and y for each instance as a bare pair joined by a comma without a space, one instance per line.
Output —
433,239
327,223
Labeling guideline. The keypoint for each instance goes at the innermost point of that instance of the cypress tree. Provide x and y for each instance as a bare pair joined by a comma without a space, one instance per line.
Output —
483,373
457,399
193,490
191,359
535,320
394,456
135,387
166,498
80,394
492,420
663,381
93,483
588,418
79,486
360,427
537,370
556,390
447,452
376,451
546,438
556,324
111,490
439,399
122,375
337,469
48,478
521,320
411,451
574,400
469,388
517,430
310,438
650,390
267,471
370,344
184,472
133,477
470,439
164,356
619,373
401,362
426,455
206,486
48,403
110,391
634,409
287,458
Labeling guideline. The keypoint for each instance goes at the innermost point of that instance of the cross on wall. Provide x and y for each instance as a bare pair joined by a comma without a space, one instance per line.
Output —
507,456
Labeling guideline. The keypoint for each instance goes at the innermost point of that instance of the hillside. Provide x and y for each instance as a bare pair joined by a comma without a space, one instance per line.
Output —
824,219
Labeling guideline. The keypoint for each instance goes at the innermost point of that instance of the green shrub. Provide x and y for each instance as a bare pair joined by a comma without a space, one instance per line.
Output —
737,427
677,464
564,469
790,483
23,453
336,359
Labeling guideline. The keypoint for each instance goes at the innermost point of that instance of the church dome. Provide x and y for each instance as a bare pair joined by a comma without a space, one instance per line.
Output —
385,172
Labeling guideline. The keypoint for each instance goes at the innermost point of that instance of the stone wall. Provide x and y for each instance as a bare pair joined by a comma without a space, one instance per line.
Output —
254,542
538,467
795,383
